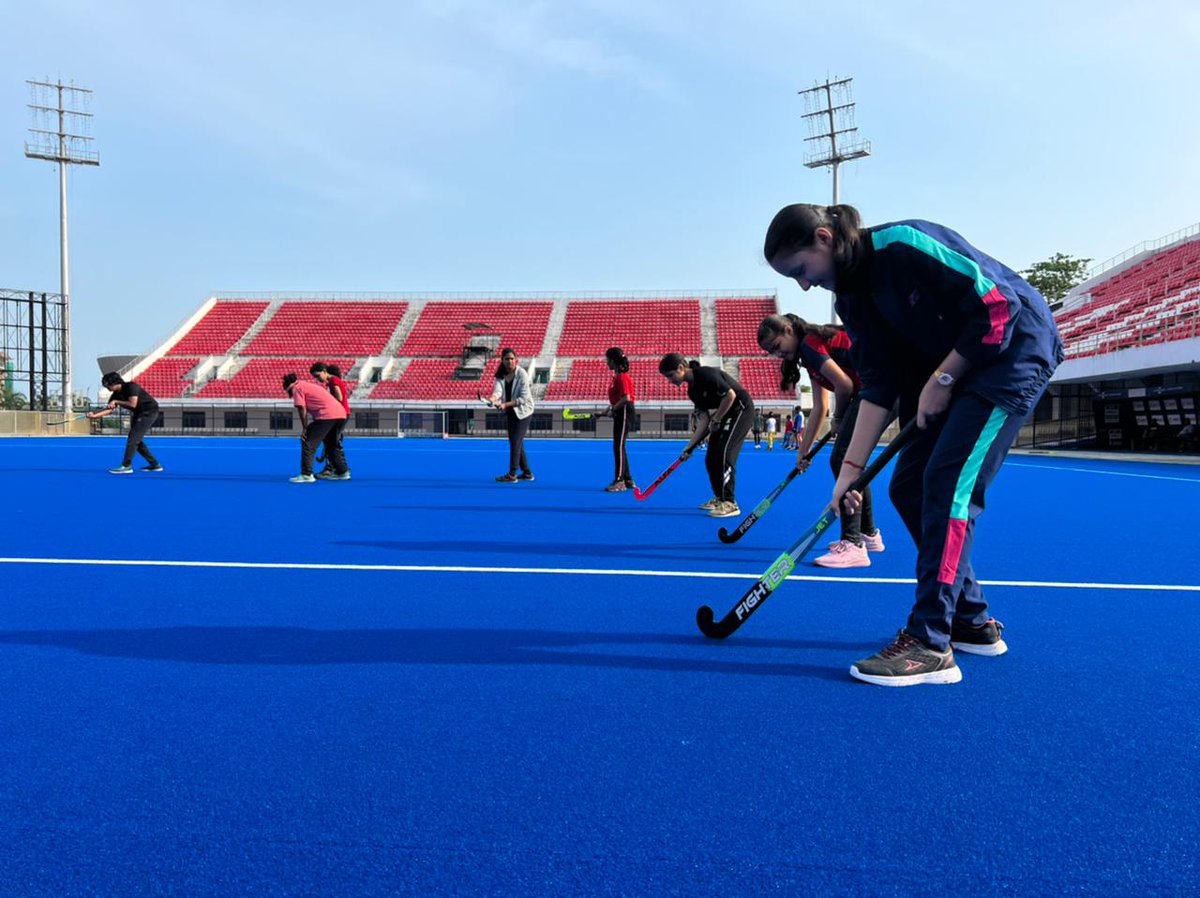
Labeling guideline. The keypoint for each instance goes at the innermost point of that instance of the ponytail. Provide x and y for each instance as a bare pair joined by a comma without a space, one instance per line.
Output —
794,228
617,356
673,360
773,325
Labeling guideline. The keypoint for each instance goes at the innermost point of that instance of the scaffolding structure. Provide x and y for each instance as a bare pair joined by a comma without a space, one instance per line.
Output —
33,349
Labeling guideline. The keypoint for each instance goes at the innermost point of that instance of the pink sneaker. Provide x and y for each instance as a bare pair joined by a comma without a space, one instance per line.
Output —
874,543
844,554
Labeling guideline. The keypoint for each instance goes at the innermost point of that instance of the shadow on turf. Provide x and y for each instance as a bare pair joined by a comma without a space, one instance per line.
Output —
576,510
272,646
476,550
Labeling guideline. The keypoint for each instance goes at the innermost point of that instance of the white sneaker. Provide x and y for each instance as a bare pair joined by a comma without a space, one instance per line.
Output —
844,554
302,478
874,542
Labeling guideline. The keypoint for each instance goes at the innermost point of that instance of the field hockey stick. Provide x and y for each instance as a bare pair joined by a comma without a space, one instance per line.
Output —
783,565
642,494
761,509
487,402
575,416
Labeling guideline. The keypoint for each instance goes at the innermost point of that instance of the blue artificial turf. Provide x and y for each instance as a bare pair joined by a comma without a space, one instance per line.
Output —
266,731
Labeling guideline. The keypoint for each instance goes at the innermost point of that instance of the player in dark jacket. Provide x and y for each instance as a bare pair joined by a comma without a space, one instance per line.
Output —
967,347
143,412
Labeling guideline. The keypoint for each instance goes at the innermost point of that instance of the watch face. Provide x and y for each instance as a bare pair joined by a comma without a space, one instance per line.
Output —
945,380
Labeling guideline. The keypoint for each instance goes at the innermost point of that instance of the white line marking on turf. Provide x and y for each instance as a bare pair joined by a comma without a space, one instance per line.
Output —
593,572
1018,464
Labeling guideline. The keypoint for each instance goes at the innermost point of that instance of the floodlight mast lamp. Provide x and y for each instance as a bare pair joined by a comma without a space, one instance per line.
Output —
828,119
65,146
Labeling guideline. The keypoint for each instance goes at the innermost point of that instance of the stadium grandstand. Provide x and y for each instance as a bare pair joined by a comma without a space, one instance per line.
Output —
1131,330
409,355
1130,381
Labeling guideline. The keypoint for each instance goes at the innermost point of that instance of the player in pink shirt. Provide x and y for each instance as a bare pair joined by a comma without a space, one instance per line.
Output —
320,414
330,377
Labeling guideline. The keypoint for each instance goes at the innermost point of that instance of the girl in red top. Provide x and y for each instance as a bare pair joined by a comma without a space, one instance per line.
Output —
620,406
824,352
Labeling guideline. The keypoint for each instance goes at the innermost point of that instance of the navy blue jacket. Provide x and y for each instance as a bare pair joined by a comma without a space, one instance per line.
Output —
918,290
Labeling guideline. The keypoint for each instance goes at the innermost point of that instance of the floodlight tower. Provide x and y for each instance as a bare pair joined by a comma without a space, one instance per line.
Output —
67,140
830,115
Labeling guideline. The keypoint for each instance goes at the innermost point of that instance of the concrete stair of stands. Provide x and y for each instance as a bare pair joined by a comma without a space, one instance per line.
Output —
554,329
206,369
225,369
393,369
256,328
386,363
708,327
403,328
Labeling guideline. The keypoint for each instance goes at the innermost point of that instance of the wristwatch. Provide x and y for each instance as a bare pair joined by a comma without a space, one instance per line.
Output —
944,379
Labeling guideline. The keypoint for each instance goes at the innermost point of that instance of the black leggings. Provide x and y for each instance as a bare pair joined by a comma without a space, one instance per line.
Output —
862,521
622,419
325,433
723,449
517,428
138,428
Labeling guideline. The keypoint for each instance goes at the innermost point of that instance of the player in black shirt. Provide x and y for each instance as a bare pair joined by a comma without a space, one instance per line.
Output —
143,411
725,413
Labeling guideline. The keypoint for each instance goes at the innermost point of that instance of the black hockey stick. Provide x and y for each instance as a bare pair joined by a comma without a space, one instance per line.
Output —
778,572
761,509
65,420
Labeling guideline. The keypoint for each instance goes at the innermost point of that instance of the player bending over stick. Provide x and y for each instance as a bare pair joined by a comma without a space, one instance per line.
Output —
824,351
319,415
967,346
725,412
143,412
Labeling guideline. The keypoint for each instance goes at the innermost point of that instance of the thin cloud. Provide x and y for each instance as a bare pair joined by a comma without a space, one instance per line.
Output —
548,35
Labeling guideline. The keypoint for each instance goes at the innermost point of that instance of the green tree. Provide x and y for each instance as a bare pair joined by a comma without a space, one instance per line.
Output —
10,399
1056,275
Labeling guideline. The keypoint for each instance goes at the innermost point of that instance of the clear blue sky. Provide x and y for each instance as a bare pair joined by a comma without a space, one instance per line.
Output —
485,145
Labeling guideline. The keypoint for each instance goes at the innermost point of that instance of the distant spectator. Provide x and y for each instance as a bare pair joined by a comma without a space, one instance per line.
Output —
1188,438
772,426
759,424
